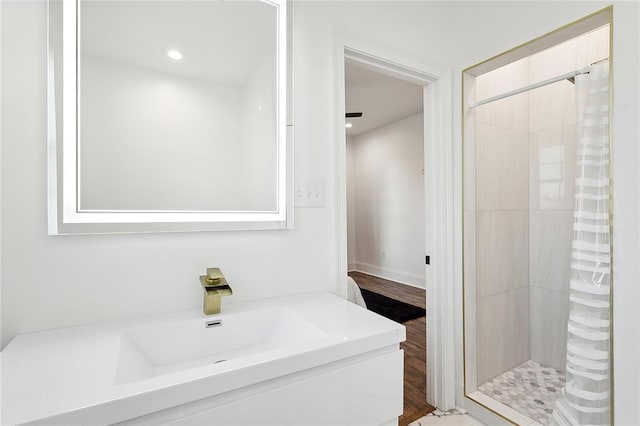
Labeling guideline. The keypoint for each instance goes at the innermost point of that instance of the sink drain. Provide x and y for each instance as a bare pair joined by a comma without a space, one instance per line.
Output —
214,323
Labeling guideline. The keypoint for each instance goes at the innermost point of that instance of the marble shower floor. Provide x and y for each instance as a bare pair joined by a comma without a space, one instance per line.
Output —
530,388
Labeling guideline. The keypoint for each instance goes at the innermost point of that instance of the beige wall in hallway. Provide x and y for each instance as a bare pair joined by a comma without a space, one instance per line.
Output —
385,192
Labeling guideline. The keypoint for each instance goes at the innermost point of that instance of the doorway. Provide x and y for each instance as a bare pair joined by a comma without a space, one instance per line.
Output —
440,232
384,126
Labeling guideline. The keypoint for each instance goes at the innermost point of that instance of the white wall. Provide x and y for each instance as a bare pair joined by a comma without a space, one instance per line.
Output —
144,274
626,211
258,149
387,192
351,204
146,128
1,177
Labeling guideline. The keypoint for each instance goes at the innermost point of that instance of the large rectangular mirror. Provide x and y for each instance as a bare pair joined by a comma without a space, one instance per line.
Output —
168,115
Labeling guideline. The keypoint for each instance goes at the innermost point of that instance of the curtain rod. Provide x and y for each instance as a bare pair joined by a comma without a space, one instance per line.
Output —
566,76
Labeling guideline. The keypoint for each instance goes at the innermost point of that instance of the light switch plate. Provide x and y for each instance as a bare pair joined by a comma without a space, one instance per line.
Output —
310,194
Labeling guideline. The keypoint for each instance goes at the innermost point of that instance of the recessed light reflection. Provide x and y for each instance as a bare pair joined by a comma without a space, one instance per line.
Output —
174,54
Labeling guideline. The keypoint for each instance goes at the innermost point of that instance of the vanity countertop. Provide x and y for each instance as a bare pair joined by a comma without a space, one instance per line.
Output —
69,375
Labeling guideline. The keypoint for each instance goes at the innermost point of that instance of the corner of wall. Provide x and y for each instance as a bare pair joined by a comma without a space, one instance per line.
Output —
626,211
1,180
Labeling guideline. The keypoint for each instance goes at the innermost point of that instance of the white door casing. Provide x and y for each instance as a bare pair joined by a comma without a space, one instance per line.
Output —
439,200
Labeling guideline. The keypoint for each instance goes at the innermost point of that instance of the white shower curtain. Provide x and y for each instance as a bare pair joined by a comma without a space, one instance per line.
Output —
585,399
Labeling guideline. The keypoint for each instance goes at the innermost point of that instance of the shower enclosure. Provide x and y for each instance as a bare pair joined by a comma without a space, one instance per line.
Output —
523,181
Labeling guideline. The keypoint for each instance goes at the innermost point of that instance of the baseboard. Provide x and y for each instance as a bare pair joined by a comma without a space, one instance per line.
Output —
388,274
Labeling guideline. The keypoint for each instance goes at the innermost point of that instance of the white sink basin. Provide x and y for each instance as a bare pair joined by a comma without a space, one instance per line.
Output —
175,346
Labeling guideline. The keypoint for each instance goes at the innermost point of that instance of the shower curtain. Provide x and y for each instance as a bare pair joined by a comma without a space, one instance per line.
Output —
585,399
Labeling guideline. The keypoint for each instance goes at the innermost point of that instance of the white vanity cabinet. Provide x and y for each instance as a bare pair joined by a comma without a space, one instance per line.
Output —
311,359
364,390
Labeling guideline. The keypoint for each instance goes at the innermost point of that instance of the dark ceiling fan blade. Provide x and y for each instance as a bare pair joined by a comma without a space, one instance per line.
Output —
353,115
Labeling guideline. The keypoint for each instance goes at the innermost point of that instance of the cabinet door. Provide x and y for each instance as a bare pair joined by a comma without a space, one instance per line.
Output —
368,392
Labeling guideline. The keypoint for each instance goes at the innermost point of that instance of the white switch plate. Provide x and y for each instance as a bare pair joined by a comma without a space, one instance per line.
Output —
309,194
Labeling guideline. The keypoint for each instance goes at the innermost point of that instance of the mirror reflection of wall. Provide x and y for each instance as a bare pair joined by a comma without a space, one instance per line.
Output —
177,105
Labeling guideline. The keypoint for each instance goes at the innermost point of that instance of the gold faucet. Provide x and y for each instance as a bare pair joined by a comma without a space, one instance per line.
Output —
215,286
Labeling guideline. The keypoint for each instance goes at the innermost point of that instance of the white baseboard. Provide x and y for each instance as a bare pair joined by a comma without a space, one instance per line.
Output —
388,274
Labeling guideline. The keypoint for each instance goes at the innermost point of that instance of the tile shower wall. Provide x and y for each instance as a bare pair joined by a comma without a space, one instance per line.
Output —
524,177
502,223
552,153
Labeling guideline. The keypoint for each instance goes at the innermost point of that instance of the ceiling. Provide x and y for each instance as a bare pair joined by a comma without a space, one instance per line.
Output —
221,41
382,99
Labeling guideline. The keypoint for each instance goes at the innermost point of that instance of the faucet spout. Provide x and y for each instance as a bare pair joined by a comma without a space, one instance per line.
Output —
215,286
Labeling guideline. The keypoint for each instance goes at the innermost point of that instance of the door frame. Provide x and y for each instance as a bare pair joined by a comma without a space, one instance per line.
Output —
439,191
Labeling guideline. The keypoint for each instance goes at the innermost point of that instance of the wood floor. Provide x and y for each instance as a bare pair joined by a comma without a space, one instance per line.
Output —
415,347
